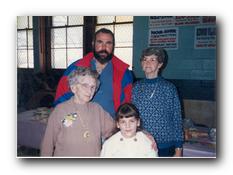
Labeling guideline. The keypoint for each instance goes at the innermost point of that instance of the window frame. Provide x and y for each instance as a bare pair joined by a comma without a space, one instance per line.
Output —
66,27
26,29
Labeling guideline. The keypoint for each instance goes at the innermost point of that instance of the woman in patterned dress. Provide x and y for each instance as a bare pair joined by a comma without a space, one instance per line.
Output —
158,103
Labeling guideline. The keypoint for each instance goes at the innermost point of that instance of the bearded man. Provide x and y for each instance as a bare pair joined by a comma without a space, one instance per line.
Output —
115,78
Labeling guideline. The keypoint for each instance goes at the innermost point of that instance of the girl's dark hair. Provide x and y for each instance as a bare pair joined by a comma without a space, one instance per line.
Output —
127,110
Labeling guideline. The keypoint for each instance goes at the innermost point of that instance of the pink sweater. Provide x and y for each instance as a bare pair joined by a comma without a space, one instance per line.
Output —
67,139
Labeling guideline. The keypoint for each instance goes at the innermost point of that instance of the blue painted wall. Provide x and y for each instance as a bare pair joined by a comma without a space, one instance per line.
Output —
185,63
193,71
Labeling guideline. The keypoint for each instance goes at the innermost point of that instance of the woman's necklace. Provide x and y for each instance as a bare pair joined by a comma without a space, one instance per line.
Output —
86,133
152,94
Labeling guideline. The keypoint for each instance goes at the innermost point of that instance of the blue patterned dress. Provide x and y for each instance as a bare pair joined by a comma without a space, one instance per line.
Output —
159,106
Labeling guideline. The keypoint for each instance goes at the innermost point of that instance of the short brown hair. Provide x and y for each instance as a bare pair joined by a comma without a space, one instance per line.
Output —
159,52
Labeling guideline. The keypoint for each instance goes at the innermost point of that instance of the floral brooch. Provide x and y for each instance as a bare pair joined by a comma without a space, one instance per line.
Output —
69,119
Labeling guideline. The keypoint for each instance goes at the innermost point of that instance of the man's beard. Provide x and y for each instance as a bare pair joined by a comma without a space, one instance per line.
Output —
102,60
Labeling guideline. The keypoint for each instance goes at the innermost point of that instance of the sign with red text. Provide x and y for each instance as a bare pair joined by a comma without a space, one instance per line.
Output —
166,38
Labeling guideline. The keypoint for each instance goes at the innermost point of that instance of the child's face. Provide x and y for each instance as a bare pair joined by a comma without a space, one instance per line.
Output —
128,126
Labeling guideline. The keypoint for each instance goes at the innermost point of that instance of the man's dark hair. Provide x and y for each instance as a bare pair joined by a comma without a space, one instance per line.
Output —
107,31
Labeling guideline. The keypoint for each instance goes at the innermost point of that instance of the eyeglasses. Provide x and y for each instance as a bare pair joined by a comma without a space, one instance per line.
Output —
148,59
87,86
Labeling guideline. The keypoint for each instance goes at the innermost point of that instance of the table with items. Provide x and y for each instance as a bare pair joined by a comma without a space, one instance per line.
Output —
200,141
31,127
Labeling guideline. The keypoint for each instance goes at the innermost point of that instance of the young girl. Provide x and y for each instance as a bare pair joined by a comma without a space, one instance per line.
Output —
129,141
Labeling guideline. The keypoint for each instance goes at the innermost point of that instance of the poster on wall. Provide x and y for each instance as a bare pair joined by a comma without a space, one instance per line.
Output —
166,21
161,21
187,20
205,37
166,38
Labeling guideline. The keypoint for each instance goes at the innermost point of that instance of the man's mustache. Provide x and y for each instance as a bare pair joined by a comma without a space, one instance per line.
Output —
103,51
